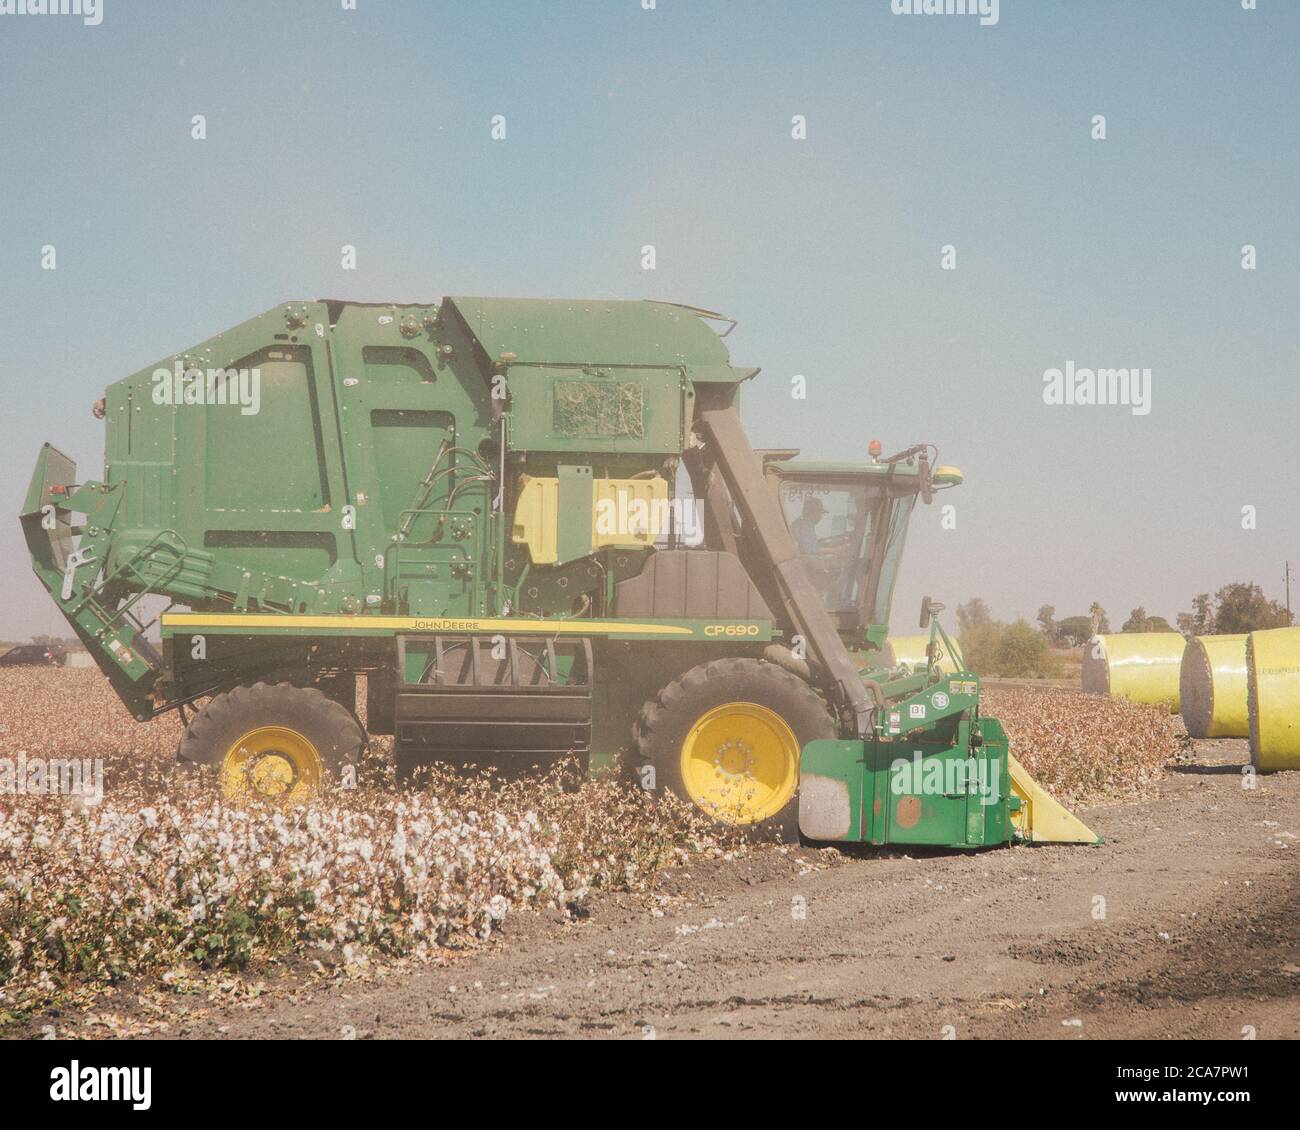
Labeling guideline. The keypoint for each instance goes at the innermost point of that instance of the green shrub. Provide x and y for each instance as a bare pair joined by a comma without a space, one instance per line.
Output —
1011,651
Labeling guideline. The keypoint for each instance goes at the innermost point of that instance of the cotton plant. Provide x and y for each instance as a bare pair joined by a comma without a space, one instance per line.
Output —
161,873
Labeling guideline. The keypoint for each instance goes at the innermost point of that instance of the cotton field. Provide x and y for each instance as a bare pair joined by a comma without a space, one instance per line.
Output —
159,874
1086,749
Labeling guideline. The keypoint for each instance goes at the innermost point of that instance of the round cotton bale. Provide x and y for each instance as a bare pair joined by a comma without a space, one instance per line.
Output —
1212,687
911,650
1273,698
1139,666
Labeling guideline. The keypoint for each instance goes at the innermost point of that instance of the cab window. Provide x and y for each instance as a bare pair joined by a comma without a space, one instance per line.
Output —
831,526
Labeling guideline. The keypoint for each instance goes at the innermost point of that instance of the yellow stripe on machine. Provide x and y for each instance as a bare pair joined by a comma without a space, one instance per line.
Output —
253,620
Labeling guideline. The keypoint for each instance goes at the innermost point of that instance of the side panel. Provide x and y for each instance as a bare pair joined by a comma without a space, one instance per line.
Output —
405,406
466,695
596,409
934,790
834,791
232,446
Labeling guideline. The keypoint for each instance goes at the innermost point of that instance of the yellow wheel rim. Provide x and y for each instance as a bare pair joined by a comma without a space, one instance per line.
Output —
740,763
273,763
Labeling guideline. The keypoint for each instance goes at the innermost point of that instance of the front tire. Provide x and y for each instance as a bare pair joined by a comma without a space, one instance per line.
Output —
275,742
727,736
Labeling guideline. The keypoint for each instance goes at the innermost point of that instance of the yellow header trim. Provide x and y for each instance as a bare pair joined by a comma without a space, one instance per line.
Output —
420,624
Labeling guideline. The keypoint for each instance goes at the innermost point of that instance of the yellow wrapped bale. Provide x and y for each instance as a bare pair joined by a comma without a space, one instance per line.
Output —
911,650
1139,666
1273,698
1212,687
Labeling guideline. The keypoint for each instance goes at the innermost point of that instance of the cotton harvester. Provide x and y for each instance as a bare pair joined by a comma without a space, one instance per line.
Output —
538,530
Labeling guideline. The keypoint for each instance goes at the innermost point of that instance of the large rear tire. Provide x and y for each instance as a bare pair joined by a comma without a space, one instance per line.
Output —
726,736
275,742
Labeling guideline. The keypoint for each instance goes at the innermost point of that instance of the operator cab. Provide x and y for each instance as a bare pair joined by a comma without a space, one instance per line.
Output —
849,523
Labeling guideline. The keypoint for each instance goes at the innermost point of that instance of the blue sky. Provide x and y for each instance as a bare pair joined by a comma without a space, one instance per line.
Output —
672,127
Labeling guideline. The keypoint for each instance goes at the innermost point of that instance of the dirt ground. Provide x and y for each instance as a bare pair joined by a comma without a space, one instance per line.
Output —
1184,924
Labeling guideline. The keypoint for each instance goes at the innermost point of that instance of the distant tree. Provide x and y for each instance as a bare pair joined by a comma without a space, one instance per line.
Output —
1200,620
1047,621
1139,621
973,614
979,647
1074,630
1100,624
1023,652
1016,650
1243,607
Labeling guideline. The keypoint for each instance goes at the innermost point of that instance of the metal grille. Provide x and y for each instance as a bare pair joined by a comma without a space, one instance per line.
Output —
606,409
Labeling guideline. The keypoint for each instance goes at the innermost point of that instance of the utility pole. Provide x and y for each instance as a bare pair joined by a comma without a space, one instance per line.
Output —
1286,576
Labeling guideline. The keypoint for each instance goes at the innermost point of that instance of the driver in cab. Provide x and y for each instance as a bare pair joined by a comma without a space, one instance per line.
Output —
830,561
804,528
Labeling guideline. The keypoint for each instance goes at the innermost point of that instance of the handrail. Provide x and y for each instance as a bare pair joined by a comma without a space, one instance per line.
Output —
145,552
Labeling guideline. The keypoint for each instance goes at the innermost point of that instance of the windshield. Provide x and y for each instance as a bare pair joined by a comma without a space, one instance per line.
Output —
900,511
850,537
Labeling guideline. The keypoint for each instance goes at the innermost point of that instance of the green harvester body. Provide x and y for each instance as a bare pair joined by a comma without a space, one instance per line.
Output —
336,489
